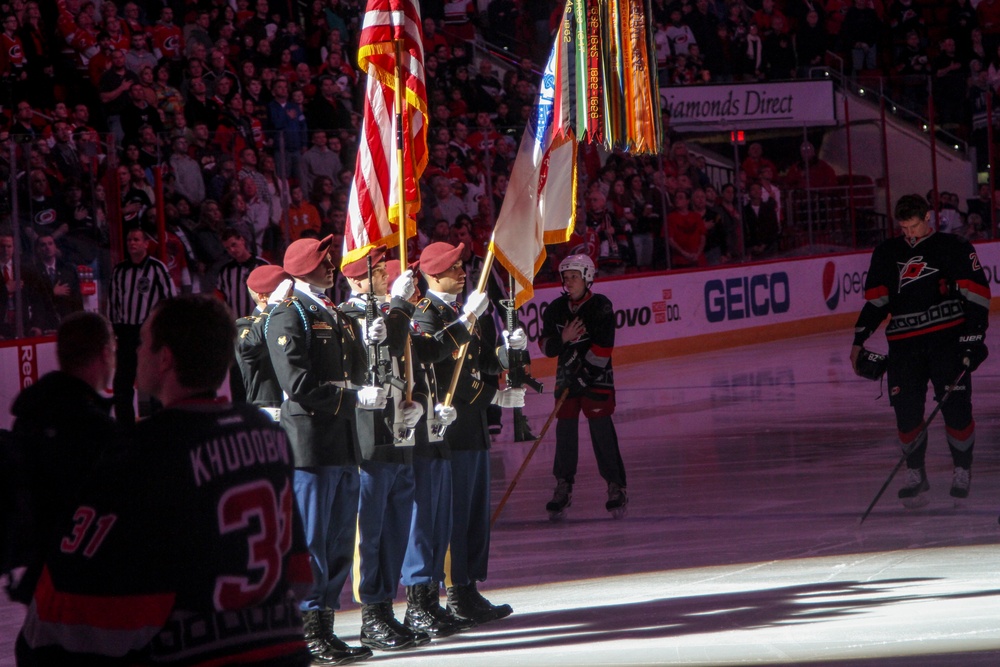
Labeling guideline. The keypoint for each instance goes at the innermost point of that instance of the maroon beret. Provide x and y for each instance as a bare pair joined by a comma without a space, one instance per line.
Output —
439,257
304,255
392,269
264,279
358,269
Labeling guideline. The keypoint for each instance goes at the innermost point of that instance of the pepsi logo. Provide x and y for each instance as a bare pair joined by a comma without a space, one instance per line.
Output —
831,286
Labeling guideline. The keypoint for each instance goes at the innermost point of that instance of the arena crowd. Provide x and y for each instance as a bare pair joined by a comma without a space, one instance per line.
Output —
244,115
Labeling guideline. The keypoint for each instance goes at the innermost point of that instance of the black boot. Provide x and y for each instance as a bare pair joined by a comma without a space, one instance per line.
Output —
381,631
312,627
467,603
337,649
424,612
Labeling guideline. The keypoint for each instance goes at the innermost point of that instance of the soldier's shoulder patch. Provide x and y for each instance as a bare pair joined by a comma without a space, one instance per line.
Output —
424,304
244,333
282,340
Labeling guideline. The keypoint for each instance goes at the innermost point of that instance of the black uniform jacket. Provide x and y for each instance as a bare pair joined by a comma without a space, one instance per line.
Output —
375,427
254,362
439,334
319,362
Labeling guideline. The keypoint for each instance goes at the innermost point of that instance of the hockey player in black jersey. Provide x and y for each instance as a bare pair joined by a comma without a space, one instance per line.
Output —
936,295
184,547
579,328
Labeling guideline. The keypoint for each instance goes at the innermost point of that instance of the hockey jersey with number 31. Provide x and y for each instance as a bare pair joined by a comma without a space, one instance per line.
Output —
184,549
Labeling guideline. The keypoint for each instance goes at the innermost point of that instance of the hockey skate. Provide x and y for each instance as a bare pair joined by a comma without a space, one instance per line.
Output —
561,499
960,481
914,492
617,501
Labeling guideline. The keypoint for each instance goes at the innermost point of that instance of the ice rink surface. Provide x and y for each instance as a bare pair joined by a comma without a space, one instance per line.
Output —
748,470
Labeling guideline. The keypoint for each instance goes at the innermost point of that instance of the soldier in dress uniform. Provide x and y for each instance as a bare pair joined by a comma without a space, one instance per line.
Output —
259,381
320,365
386,503
430,527
441,327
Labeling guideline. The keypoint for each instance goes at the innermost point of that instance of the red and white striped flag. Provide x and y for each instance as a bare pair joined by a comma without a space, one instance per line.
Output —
373,211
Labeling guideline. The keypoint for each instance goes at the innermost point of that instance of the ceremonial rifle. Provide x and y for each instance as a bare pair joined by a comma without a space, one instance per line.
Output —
517,375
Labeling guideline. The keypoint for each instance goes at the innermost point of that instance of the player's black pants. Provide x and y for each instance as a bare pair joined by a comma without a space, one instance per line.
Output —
911,367
597,408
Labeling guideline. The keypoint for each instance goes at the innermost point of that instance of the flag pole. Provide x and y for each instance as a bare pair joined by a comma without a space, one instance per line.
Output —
401,190
481,287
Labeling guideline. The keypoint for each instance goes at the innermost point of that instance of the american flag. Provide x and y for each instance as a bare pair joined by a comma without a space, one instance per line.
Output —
374,208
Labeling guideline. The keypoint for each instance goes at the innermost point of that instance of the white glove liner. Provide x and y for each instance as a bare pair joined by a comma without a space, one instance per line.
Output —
410,412
476,304
511,397
377,332
371,398
402,286
446,413
516,340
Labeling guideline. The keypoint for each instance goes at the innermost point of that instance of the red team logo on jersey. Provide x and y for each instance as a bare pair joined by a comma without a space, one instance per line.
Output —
914,269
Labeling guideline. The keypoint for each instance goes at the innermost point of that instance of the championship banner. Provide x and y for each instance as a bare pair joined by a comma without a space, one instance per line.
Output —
391,32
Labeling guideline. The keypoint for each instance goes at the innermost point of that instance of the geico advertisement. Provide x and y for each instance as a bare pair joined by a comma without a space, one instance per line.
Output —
703,302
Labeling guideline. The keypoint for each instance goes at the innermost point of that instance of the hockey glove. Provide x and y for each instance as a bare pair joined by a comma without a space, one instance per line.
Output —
402,286
511,397
371,398
446,413
515,340
578,375
410,412
973,349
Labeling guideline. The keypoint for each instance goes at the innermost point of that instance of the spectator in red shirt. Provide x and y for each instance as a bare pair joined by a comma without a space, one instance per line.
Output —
685,232
755,160
168,39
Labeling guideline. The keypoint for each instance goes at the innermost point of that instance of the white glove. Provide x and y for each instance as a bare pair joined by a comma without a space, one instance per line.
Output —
402,286
511,397
516,340
371,398
477,304
376,332
446,413
410,412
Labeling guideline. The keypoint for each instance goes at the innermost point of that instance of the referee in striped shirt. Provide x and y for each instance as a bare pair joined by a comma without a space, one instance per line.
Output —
137,285
234,273
233,287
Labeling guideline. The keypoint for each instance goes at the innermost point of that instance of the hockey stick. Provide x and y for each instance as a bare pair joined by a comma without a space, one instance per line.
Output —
531,452
920,433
